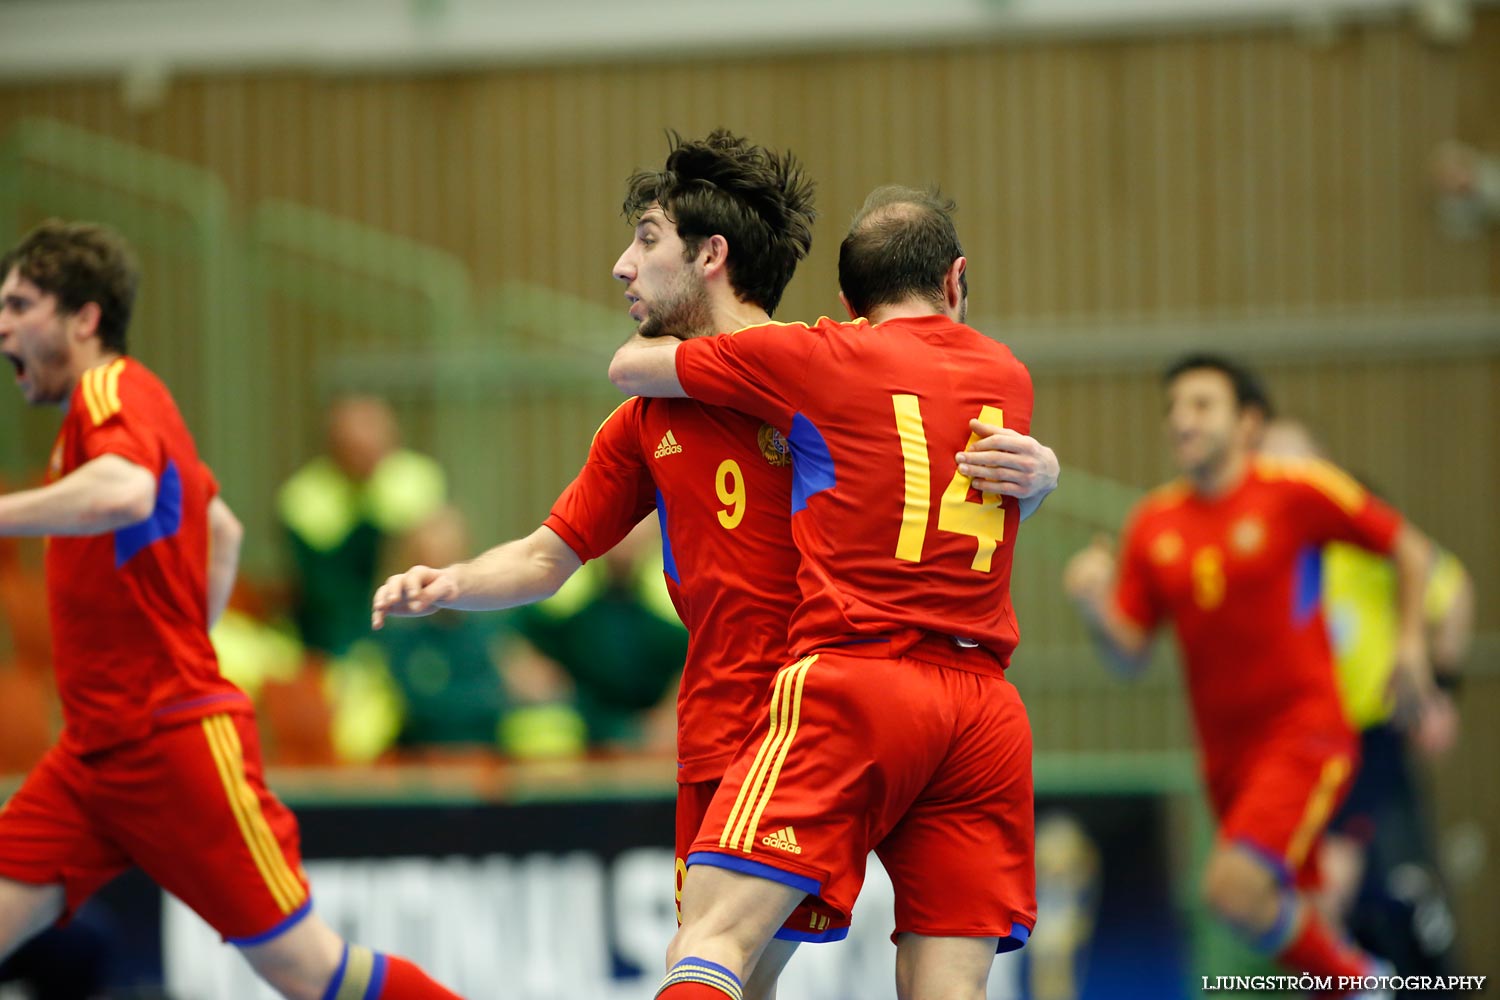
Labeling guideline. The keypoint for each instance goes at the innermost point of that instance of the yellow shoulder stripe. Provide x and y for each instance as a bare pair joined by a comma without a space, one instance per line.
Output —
769,322
86,390
1166,494
1328,479
608,419
101,391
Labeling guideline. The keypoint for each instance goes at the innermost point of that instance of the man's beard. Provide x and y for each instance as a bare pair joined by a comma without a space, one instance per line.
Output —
687,314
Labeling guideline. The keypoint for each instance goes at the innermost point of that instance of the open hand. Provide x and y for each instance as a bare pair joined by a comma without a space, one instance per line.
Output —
419,591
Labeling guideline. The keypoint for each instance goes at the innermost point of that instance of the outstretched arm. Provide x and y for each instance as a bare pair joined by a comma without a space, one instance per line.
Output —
518,572
1416,691
100,496
1089,580
647,366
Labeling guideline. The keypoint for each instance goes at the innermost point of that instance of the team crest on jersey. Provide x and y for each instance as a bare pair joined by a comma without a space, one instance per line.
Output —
1247,535
54,465
774,446
1166,547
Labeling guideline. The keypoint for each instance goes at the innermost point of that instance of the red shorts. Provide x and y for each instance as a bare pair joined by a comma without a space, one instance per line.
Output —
812,920
1278,800
927,765
188,806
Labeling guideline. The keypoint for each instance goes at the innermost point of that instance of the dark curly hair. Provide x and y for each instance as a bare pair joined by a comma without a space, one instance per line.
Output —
1249,391
81,262
760,201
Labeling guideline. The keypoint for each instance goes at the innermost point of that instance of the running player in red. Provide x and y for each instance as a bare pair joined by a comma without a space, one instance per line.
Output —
896,730
1230,555
159,764
720,482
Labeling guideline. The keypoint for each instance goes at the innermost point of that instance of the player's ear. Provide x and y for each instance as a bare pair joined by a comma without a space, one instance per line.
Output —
847,307
953,284
84,323
714,256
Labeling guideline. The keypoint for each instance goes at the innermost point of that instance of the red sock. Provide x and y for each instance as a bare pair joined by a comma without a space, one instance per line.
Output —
404,981
1319,952
691,991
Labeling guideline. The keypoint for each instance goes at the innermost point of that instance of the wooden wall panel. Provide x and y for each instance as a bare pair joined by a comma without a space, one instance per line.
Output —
1109,179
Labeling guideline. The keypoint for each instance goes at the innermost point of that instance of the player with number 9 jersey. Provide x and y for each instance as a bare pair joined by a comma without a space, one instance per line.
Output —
721,484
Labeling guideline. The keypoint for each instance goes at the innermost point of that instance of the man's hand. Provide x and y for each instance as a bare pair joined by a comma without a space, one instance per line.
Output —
1089,580
1425,712
1090,574
1009,463
419,591
1436,732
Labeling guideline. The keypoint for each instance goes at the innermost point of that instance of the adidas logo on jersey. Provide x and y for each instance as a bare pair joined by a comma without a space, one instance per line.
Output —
783,840
668,446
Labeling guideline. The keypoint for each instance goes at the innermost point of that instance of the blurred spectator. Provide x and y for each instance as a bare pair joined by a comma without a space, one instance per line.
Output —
444,667
271,666
613,630
1468,189
1381,879
449,685
341,509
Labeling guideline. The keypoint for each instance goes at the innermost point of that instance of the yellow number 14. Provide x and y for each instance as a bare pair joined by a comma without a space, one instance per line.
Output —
984,521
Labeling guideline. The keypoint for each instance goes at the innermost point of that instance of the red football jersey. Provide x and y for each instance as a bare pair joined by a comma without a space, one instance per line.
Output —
130,608
1239,576
721,484
892,538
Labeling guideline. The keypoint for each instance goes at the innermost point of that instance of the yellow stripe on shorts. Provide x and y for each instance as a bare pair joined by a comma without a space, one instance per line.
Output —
1319,808
228,756
759,784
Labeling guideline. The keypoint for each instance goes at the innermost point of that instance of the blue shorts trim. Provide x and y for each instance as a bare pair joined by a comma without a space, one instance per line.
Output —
294,918
377,978
759,869
1015,941
812,937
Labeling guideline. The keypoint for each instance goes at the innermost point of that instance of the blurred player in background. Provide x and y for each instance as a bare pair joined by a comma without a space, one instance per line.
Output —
896,731
718,233
1229,554
1380,873
159,763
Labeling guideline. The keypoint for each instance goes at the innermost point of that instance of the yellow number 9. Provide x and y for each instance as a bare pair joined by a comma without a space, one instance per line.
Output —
729,483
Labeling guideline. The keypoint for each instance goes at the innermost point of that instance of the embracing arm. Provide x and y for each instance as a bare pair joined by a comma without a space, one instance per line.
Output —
102,495
518,572
1009,463
647,366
